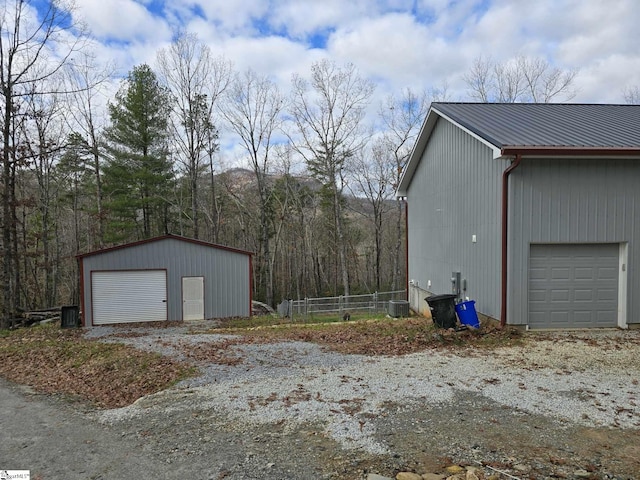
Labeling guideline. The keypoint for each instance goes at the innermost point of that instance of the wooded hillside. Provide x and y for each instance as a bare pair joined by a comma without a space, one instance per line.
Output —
310,193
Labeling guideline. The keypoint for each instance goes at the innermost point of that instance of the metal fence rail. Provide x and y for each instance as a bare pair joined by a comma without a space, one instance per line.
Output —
370,302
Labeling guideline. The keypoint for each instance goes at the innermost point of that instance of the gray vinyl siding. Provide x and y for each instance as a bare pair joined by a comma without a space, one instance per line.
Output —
455,193
226,274
575,201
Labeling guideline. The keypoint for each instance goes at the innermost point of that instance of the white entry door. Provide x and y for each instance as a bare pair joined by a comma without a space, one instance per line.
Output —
193,298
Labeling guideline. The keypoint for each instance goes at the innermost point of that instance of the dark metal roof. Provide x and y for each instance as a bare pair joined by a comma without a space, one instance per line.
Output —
567,125
537,130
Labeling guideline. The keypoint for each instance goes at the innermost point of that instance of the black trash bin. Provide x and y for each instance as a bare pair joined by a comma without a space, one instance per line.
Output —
443,310
69,317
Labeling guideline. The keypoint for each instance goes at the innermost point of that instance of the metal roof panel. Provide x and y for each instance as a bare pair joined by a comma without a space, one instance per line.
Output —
549,124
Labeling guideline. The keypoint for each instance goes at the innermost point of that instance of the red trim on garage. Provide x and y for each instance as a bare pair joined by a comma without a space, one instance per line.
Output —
165,237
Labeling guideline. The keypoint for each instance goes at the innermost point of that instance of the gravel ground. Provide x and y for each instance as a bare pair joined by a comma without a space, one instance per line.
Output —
565,406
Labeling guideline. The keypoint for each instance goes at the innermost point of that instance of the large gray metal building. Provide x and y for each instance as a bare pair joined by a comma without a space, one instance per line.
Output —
164,278
536,205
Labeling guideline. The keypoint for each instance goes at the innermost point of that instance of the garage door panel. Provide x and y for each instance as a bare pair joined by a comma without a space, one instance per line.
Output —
560,296
538,273
559,317
580,289
607,295
128,296
605,318
583,273
537,318
560,273
608,273
581,295
537,296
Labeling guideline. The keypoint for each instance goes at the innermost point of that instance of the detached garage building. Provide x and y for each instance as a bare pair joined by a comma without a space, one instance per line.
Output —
164,278
536,205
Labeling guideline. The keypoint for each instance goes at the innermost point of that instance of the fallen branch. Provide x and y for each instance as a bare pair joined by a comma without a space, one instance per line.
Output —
499,471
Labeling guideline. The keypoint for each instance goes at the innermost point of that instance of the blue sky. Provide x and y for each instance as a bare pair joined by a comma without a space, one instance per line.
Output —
422,44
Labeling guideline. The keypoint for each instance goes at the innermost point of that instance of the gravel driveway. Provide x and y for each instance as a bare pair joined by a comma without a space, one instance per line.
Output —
565,406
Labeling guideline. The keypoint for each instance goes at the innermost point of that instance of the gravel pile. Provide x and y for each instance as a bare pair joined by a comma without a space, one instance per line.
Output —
570,377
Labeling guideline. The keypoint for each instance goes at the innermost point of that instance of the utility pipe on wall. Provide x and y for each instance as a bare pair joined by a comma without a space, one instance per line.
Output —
505,234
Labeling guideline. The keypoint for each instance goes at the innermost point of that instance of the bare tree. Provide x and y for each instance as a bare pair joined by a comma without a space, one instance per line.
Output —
37,39
372,179
196,80
479,80
545,83
328,113
252,108
632,95
84,84
520,79
43,135
401,119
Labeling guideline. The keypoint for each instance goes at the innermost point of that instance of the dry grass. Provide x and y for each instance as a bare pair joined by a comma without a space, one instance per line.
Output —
55,360
107,374
384,336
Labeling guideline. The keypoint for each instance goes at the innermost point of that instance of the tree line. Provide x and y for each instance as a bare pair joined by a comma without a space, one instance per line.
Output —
314,201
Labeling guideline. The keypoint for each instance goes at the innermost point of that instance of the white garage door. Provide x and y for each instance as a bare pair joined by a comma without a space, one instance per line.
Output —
573,286
129,296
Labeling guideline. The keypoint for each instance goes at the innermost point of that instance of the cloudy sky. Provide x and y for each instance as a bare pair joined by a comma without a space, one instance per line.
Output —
422,44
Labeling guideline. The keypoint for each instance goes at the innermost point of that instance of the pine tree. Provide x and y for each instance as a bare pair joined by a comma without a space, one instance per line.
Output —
138,176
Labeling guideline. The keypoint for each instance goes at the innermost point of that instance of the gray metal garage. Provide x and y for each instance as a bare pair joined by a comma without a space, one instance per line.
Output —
534,207
164,278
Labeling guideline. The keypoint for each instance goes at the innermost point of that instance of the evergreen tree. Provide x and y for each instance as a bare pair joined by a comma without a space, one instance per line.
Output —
138,178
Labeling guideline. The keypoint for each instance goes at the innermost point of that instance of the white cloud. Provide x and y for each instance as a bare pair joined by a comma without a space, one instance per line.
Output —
610,28
306,17
605,80
396,50
232,17
122,20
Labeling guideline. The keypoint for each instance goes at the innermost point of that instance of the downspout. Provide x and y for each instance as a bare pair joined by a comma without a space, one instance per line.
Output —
505,216
406,246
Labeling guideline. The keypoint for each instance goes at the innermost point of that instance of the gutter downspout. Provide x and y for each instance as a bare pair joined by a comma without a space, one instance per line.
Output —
406,245
505,216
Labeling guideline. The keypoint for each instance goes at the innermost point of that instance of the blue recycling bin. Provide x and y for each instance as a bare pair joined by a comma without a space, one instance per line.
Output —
467,314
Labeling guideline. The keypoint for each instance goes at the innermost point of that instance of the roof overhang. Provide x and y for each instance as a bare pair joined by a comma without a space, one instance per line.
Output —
421,144
570,151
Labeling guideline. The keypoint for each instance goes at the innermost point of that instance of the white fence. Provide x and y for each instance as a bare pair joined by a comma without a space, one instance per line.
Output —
370,302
